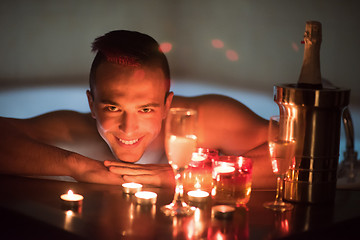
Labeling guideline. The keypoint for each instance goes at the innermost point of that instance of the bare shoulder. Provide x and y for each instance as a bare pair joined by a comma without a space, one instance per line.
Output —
216,104
69,130
225,123
65,118
55,125
202,100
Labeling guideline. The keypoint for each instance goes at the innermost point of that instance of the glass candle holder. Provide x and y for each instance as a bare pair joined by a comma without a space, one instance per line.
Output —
232,178
198,175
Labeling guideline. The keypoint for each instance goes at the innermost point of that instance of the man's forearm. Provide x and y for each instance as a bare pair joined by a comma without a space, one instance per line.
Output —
263,177
24,156
21,154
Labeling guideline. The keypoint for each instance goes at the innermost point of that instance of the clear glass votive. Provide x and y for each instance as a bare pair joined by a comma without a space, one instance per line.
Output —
232,178
198,175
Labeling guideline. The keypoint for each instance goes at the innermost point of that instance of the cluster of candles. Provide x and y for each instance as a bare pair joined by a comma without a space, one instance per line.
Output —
142,197
200,177
197,195
73,201
147,197
205,167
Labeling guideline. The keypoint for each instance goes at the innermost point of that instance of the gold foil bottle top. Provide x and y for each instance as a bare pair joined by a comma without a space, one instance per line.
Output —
313,33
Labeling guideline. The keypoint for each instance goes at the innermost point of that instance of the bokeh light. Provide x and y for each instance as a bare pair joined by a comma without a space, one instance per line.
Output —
232,55
295,47
217,43
165,47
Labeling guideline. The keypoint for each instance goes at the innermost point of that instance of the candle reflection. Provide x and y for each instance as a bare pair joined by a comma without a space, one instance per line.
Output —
131,212
230,228
146,209
141,218
282,224
68,219
195,226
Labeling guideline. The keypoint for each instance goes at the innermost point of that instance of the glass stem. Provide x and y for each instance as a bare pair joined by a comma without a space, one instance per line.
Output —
179,189
279,188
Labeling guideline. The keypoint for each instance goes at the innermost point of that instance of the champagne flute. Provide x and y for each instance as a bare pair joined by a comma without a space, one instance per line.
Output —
282,151
180,143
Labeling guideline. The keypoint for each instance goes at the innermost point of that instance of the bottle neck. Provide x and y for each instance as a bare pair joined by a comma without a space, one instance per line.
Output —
310,75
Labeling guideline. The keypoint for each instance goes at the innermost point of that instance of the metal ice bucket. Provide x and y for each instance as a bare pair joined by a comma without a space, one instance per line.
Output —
318,114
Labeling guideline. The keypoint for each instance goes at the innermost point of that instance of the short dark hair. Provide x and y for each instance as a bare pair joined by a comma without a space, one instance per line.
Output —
128,48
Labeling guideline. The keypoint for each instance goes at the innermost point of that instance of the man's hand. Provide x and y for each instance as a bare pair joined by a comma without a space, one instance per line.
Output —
102,176
93,171
157,175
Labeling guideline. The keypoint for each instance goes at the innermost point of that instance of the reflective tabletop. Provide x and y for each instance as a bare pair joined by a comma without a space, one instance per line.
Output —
31,208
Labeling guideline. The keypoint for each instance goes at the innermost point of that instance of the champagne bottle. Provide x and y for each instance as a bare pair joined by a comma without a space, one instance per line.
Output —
310,75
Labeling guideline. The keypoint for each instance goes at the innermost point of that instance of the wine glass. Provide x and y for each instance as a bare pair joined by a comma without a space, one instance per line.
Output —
180,143
281,141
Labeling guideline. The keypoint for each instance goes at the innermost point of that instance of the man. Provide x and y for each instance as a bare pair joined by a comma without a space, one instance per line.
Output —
129,98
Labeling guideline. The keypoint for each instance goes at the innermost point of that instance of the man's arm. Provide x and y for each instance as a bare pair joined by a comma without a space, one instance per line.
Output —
225,123
262,176
232,128
26,149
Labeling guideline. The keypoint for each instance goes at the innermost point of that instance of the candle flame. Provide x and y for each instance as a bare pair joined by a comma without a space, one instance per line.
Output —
197,185
70,193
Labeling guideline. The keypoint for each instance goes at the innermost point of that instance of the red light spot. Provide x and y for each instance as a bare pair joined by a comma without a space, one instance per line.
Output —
295,47
285,225
217,43
232,55
165,47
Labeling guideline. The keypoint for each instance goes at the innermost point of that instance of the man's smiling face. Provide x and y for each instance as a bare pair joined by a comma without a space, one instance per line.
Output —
129,106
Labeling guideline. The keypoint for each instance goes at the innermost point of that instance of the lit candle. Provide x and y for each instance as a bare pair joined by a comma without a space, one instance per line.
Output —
72,200
223,169
71,197
196,157
131,188
223,211
146,197
198,195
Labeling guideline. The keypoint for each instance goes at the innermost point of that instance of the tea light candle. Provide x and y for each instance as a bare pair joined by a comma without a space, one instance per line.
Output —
198,195
197,157
71,197
71,200
146,197
223,211
224,169
197,160
131,188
